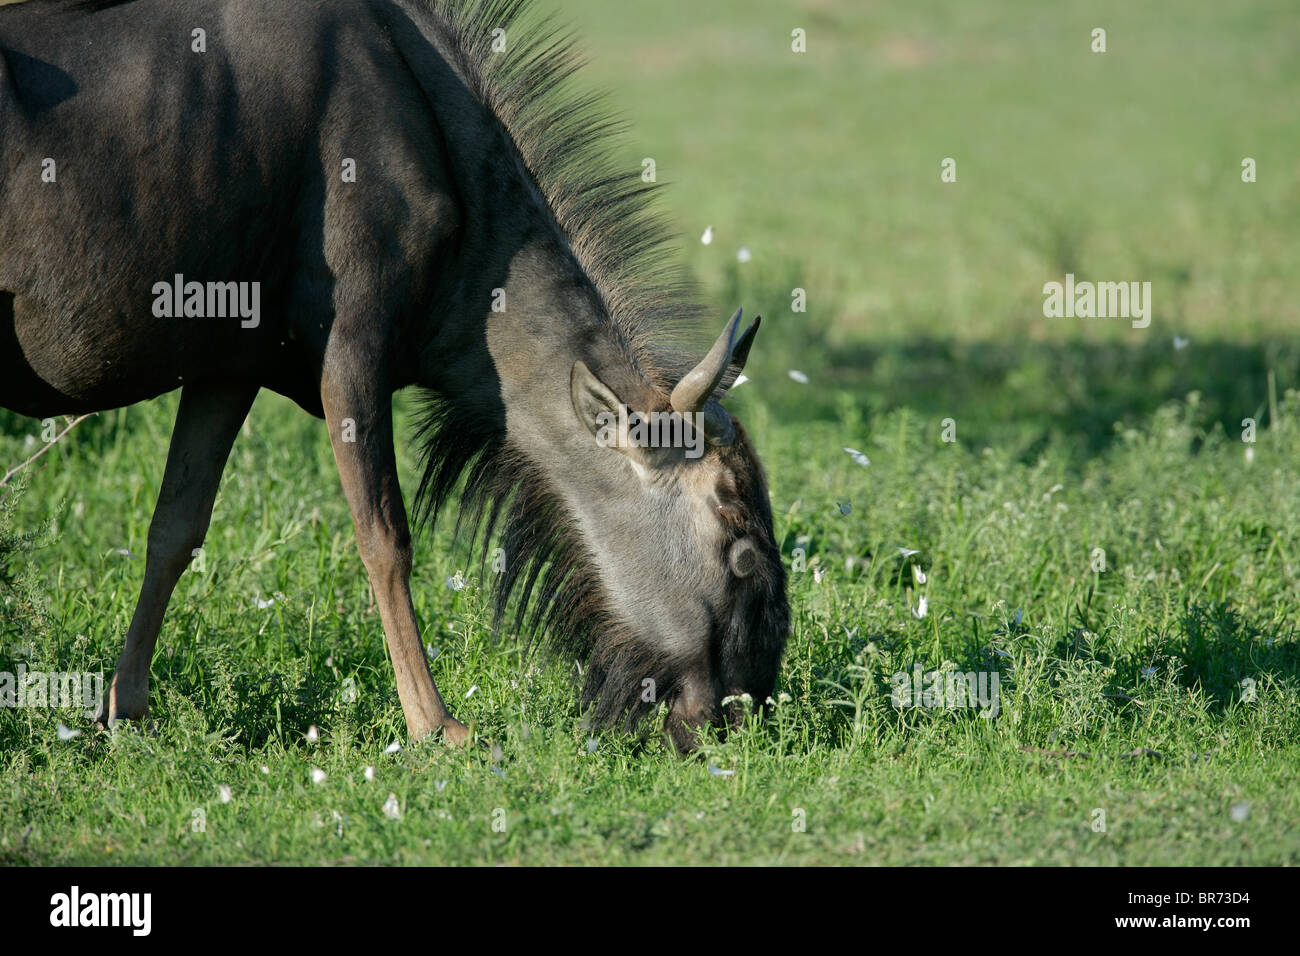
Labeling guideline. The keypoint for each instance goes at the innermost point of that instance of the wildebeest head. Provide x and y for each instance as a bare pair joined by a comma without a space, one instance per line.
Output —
690,571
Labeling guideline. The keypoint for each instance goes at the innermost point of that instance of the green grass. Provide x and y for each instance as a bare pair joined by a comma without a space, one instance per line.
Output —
1163,692
1198,595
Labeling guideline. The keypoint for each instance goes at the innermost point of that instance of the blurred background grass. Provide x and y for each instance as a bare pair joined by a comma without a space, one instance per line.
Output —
1119,165
1116,166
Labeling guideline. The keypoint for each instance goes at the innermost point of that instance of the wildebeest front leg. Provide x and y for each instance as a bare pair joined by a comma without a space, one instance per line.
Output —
206,426
359,415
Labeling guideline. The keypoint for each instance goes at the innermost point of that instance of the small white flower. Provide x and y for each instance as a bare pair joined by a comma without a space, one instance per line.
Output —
922,608
313,734
370,773
707,238
743,254
439,785
391,809
266,769
858,457
263,605
592,744
67,733
223,792
720,773
918,574
317,775
818,573
393,748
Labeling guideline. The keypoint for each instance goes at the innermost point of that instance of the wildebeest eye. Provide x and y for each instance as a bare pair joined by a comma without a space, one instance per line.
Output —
743,558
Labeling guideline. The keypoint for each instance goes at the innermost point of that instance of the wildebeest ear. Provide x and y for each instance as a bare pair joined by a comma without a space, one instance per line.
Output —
594,402
743,558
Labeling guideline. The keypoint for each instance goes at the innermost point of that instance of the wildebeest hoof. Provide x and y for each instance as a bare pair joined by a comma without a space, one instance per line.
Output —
454,733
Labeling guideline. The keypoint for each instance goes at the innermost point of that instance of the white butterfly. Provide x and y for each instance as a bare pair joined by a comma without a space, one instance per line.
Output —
708,235
67,733
922,608
720,773
391,809
798,376
858,457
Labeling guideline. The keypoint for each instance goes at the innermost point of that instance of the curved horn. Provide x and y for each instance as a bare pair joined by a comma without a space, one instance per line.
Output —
740,351
697,385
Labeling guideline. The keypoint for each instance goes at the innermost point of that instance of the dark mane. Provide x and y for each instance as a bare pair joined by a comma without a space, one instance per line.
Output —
563,141
564,138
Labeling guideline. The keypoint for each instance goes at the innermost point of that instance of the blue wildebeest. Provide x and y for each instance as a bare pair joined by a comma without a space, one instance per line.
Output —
336,199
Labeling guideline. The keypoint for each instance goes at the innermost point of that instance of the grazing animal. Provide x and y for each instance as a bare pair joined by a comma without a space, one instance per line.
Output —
336,199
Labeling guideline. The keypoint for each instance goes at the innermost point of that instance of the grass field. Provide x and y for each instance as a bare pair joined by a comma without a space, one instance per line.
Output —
1099,536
